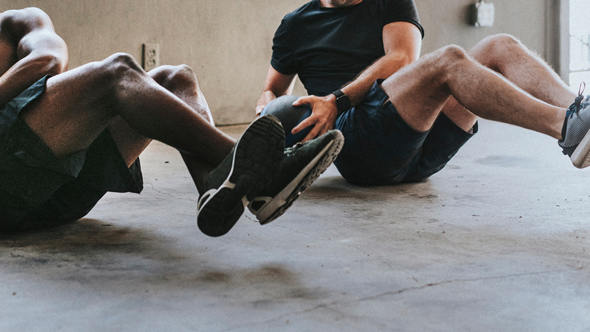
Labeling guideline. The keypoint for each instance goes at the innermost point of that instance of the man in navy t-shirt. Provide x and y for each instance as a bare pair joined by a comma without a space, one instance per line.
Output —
403,118
329,47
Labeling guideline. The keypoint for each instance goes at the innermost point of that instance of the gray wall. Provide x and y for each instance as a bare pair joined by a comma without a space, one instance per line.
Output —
228,41
445,22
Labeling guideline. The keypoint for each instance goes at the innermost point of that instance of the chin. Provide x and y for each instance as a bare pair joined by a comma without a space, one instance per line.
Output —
343,3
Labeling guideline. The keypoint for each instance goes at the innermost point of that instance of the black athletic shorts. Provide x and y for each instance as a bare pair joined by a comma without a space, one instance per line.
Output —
39,190
380,148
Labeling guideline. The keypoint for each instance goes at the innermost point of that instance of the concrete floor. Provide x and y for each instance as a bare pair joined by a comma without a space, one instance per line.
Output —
498,241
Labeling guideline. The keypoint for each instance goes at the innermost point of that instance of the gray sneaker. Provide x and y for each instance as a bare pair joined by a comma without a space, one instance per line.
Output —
302,164
241,176
576,132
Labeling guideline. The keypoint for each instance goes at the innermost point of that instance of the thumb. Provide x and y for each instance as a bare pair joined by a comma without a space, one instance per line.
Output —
302,101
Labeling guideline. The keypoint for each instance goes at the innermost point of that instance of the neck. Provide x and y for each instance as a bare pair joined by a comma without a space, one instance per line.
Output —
339,3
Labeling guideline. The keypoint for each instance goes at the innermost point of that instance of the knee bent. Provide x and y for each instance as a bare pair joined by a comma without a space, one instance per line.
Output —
289,116
497,41
120,64
453,53
171,76
448,56
490,50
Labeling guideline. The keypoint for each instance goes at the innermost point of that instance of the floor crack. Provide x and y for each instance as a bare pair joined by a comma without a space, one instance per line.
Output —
153,187
463,280
333,303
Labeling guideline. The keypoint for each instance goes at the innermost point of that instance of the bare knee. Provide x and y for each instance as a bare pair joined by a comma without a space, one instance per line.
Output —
175,77
453,53
448,57
498,42
493,50
113,76
118,66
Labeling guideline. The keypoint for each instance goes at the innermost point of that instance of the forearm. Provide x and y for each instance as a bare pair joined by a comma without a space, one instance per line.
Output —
35,51
386,66
266,97
276,85
26,72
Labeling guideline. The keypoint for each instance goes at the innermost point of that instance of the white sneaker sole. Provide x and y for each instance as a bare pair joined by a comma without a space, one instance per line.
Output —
256,158
275,206
581,156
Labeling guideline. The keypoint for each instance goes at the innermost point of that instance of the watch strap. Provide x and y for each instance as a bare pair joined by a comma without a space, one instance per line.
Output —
342,101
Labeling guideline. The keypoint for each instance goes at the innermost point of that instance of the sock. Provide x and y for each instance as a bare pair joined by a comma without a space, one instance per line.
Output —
564,129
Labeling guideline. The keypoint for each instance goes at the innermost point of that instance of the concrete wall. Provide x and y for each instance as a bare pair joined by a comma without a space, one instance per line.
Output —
445,22
228,41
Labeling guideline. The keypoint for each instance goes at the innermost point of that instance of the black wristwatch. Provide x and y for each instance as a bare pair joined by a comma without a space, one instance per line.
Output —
342,101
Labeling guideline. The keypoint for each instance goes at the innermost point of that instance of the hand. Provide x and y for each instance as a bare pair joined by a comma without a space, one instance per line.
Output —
323,115
259,109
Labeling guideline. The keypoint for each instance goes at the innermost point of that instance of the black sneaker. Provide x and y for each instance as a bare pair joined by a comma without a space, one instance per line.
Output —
303,163
241,176
576,132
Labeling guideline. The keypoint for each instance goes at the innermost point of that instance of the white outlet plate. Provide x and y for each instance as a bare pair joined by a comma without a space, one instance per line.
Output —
484,14
151,56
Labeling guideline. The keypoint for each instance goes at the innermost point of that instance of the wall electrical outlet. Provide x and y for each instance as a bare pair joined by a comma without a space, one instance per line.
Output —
151,56
483,14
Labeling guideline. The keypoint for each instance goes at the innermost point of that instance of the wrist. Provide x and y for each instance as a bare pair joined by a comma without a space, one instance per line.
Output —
342,101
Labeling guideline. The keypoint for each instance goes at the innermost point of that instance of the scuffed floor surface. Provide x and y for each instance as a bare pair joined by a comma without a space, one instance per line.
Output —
498,241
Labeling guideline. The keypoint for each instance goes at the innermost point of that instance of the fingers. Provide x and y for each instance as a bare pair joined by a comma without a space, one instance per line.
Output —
304,100
321,118
304,124
259,109
311,120
316,131
312,134
319,128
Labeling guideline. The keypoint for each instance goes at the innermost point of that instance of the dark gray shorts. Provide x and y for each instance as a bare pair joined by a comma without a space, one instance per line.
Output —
39,190
380,148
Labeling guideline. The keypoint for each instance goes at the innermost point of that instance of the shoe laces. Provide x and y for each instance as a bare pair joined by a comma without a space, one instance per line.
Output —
577,105
291,150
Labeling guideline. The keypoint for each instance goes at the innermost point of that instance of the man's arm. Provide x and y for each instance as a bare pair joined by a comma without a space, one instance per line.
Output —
402,42
36,50
276,85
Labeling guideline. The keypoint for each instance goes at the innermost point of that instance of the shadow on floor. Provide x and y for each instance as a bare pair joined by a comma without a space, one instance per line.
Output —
94,252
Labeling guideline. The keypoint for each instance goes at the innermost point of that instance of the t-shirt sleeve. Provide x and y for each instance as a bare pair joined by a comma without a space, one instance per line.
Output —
402,11
282,51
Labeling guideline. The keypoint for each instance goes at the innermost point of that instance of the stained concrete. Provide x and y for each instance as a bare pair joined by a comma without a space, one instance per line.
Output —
498,241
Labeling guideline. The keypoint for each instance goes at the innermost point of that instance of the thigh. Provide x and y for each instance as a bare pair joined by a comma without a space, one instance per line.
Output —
73,109
419,92
129,143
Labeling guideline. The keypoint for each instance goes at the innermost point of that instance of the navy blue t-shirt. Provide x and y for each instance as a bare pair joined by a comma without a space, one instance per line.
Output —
329,47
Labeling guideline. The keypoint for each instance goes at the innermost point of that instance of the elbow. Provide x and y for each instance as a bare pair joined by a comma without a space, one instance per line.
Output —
402,60
396,62
48,64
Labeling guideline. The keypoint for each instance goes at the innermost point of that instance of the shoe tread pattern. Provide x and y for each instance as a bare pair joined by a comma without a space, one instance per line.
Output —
325,161
257,157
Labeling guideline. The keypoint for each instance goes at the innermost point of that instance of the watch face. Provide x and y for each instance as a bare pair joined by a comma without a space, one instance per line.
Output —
343,103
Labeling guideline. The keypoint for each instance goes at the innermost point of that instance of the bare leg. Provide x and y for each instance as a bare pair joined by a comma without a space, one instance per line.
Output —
508,56
182,82
128,141
420,91
79,104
